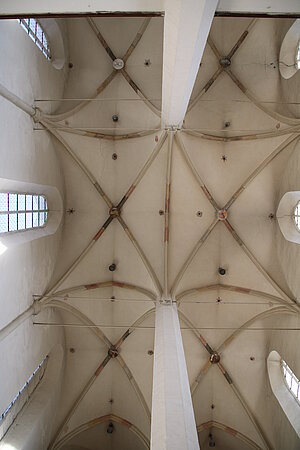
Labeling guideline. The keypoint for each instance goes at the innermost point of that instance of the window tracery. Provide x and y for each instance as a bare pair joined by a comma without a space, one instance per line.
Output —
37,34
19,212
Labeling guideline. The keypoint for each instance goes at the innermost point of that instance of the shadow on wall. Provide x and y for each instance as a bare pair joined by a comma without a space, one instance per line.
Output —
35,422
56,38
288,248
288,52
287,402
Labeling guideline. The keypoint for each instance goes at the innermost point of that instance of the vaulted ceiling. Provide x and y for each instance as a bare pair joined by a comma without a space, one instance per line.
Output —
231,154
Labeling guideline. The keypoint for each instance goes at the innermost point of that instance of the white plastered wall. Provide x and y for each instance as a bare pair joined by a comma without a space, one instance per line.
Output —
289,252
284,343
27,156
249,216
280,390
29,432
285,216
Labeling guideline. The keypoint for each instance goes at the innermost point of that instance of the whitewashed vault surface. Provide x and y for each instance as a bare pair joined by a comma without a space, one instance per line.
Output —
169,208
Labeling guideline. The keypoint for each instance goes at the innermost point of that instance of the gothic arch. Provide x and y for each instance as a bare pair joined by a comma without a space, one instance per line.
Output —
99,420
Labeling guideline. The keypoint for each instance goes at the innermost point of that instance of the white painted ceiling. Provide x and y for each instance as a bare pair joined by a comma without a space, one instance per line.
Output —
223,166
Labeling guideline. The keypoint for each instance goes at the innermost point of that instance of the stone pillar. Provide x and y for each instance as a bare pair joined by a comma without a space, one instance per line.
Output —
173,424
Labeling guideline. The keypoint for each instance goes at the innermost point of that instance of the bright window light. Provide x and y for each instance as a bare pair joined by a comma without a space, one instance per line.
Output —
3,248
37,34
297,216
20,212
8,416
291,380
298,56
7,447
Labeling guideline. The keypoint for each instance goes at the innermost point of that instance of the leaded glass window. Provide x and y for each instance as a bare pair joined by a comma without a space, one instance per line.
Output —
291,380
22,397
37,34
20,212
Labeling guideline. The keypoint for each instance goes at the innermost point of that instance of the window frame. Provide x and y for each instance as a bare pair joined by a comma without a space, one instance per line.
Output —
296,215
285,398
286,216
22,397
45,49
297,57
25,211
286,369
289,64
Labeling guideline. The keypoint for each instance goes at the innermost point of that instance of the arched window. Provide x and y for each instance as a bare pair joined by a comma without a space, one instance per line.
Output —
291,380
19,212
22,397
288,216
289,57
37,405
285,387
297,216
37,34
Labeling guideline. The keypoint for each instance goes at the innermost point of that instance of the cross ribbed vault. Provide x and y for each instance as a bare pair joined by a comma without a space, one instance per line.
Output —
168,208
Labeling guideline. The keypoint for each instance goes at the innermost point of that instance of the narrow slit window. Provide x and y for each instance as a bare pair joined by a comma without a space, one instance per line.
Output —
291,381
297,216
19,212
37,34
